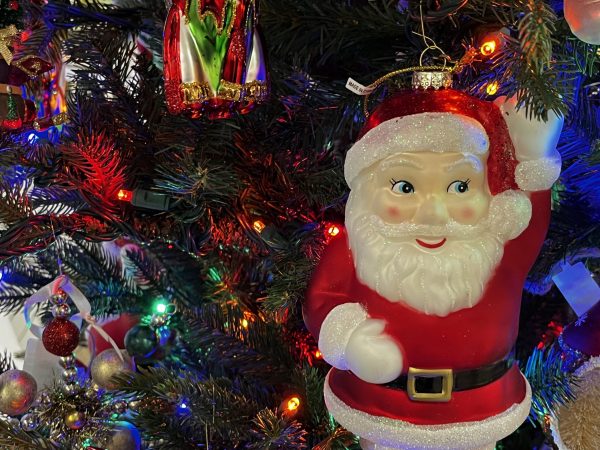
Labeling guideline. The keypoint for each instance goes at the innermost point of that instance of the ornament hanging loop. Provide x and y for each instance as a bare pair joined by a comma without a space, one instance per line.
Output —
429,46
373,86
444,56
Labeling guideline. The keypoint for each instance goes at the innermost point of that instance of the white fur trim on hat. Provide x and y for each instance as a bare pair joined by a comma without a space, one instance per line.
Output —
405,435
424,132
538,174
335,332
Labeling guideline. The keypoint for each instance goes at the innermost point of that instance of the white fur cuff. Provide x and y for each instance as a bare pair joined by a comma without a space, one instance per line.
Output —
538,174
336,330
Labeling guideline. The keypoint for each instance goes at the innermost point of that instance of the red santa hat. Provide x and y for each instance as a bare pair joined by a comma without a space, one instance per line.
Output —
522,151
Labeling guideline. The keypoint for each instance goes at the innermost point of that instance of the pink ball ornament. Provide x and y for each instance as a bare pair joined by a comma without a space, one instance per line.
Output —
583,17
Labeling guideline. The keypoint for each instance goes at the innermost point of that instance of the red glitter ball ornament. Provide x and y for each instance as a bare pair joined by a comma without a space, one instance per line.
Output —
61,337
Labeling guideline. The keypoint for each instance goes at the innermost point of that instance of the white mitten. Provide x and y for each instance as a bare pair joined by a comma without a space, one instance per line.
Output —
372,355
535,144
349,340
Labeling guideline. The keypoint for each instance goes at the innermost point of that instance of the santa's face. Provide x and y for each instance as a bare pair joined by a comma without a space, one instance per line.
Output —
424,228
430,188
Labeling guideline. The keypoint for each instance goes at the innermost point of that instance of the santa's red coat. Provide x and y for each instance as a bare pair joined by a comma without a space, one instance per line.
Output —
466,339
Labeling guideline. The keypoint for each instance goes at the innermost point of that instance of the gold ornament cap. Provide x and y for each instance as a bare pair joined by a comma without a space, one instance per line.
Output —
430,79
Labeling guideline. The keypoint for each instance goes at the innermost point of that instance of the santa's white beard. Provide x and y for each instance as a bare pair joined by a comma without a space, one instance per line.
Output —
441,281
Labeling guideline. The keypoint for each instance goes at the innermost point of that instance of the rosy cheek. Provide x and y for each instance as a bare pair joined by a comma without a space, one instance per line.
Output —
467,214
393,213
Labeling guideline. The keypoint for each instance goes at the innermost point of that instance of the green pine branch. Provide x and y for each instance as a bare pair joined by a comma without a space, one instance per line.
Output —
216,413
551,382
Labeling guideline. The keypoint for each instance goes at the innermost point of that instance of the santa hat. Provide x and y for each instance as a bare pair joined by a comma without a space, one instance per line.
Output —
522,151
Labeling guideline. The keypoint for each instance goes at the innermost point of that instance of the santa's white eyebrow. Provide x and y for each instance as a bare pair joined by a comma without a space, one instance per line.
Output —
400,162
472,160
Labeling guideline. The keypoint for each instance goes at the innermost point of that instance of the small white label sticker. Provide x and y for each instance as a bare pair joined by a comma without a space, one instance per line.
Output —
357,88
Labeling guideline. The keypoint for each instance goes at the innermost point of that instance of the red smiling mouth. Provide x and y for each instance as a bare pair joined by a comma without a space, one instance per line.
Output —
431,245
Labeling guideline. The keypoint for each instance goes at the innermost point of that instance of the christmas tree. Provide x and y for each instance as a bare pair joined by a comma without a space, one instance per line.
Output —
185,219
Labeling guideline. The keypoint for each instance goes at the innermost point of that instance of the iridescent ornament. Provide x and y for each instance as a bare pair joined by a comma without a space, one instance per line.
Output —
30,422
66,362
93,392
70,389
75,420
108,364
17,392
61,311
60,337
141,341
60,298
214,61
69,375
43,399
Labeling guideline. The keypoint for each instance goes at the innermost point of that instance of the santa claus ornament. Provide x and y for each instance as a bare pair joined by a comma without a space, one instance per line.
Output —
416,304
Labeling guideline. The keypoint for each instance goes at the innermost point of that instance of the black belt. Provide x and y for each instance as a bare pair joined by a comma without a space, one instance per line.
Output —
438,385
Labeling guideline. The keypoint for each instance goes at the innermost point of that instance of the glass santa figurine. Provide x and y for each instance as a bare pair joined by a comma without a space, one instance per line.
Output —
416,304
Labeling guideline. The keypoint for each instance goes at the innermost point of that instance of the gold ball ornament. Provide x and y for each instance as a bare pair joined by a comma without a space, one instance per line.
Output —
576,426
108,364
75,420
17,392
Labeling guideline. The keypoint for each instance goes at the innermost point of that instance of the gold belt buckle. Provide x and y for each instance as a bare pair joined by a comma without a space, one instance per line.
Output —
447,384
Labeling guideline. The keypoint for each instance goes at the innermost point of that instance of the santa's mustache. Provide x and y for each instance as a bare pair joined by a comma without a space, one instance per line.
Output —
410,230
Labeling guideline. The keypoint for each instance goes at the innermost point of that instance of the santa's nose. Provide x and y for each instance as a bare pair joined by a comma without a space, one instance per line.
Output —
432,211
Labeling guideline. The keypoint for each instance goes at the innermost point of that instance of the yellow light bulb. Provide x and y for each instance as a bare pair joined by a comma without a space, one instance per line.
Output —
488,48
293,404
333,230
259,226
492,88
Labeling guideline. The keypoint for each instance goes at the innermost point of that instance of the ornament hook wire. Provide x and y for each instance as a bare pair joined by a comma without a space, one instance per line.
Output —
429,42
429,45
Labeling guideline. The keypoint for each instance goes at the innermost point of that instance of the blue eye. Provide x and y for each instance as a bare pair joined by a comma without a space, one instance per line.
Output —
458,187
402,187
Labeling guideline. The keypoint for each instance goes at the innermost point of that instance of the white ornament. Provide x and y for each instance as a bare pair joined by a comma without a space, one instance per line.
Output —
583,17
535,144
